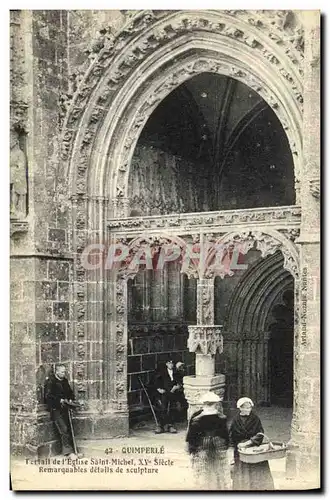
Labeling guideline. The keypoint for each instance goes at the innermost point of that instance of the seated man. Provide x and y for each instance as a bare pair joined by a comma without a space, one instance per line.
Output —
166,392
58,394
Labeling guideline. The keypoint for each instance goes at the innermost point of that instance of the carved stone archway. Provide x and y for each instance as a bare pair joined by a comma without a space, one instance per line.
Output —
153,55
250,302
246,328
124,80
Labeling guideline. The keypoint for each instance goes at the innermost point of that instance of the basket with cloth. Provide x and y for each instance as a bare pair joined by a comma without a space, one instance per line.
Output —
265,451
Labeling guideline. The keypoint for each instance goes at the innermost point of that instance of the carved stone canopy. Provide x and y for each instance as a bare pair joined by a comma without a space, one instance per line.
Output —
205,339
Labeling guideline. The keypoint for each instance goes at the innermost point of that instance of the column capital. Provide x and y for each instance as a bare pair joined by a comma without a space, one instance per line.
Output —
205,339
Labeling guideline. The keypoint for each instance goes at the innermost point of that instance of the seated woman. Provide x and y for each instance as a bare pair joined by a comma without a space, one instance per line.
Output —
208,440
246,430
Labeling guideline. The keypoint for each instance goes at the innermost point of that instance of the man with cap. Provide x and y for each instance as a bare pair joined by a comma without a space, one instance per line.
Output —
166,390
208,441
58,397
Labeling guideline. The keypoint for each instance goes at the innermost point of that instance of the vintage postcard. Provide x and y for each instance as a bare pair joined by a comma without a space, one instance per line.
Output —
165,249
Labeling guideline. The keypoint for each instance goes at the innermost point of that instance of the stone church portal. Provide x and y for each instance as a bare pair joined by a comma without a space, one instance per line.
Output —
181,129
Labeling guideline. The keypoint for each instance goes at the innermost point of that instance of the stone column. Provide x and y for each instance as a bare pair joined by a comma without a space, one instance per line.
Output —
205,340
304,453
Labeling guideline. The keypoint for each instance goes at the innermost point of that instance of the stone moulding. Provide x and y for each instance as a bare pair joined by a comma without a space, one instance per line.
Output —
205,339
125,78
272,216
268,239
268,242
232,24
248,308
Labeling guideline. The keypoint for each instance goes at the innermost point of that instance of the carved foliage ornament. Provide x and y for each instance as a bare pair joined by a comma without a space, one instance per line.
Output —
18,75
266,244
18,178
194,394
121,338
229,217
177,25
205,303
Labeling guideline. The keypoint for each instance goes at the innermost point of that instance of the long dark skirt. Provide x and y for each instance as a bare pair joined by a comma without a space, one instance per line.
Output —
211,470
250,477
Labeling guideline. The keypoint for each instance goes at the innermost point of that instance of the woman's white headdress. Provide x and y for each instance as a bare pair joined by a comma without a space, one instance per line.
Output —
241,402
210,397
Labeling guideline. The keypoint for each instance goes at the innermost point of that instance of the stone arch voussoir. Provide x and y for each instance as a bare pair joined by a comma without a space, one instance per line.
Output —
121,87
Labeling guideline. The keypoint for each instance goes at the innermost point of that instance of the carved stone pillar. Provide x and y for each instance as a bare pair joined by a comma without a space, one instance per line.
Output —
205,340
120,207
303,458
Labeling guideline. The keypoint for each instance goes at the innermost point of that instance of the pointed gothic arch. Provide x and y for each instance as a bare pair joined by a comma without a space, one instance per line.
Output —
124,80
251,300
246,327
150,57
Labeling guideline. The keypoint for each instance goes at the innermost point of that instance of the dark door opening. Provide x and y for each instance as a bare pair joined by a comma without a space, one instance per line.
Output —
281,352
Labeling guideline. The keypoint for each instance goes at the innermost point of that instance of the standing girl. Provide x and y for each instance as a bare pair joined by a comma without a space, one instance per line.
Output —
246,430
208,440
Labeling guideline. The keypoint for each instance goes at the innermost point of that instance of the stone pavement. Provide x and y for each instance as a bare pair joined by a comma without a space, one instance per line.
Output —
174,471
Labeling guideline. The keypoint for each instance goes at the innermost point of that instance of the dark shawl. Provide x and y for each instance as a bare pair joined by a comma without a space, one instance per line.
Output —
249,477
246,427
207,430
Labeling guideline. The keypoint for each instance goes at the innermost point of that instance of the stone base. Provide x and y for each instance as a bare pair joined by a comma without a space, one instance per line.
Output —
34,434
303,463
107,425
44,450
196,386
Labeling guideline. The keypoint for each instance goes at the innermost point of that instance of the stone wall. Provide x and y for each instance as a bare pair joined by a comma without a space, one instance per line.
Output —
47,47
40,262
149,347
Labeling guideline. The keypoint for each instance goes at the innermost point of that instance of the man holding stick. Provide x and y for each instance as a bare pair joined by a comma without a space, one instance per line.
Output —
59,399
166,393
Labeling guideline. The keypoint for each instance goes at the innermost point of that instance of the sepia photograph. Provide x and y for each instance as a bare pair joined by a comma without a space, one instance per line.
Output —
165,250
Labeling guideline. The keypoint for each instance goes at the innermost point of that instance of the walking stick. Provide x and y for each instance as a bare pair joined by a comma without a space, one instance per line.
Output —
150,403
72,432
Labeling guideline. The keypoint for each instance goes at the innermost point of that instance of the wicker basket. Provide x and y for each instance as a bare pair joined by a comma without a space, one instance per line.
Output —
266,451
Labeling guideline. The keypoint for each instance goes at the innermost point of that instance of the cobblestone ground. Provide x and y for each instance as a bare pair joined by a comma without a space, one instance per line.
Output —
173,474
